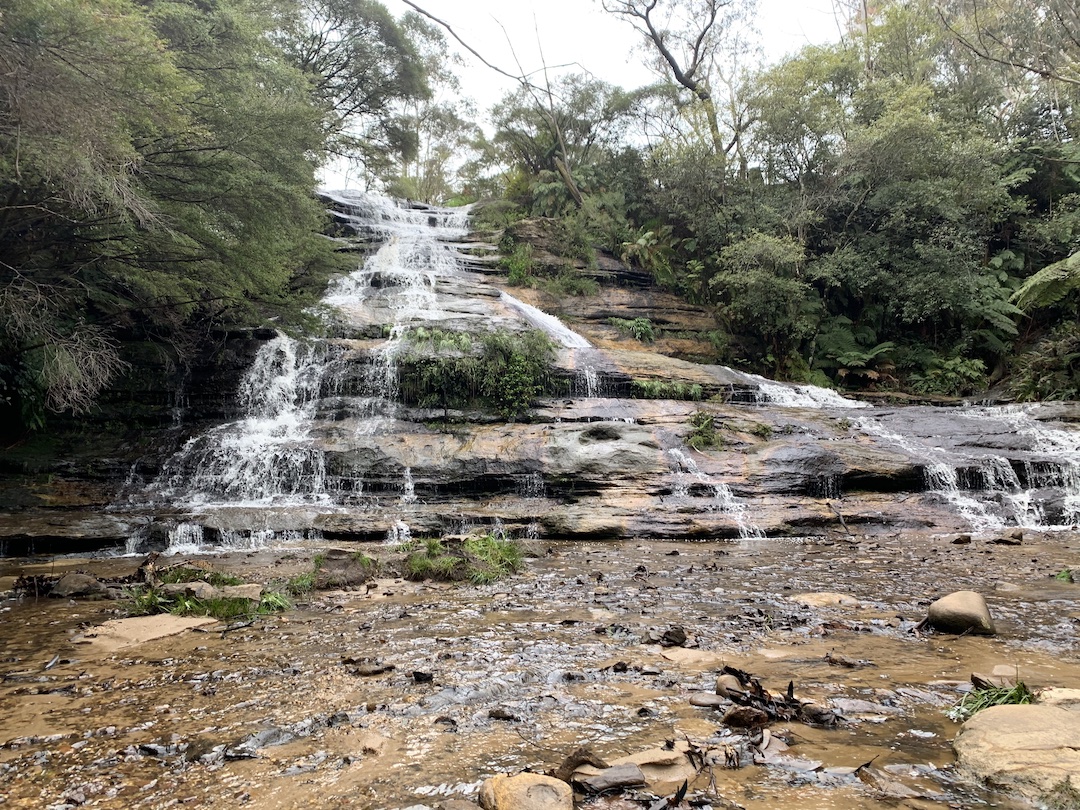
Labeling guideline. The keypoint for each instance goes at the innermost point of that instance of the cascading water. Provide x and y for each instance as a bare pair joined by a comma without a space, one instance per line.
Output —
687,472
325,443
983,485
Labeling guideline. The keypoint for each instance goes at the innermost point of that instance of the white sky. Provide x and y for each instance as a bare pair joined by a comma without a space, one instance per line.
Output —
578,31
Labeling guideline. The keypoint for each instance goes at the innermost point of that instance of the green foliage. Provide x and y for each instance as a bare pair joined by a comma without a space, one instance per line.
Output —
1050,285
951,376
158,160
978,699
704,432
301,584
665,389
1051,368
519,265
1065,575
638,328
504,371
762,430
148,601
569,283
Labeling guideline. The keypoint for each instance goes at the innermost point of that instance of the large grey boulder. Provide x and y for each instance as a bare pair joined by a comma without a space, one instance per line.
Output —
1028,750
526,791
961,612
77,585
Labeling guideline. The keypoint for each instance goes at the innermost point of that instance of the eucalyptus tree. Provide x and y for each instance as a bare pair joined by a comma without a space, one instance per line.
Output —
362,66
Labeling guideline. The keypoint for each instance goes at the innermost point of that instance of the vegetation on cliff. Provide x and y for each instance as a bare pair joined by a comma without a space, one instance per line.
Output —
899,210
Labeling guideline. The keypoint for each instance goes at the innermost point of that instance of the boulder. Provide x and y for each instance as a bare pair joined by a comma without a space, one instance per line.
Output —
727,685
526,791
961,612
1028,750
77,585
617,777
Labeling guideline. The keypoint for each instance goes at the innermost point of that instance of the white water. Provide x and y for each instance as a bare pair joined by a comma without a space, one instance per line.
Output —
556,329
983,486
686,471
790,395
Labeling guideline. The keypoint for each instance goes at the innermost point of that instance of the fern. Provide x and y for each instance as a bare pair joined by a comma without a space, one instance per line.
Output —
1050,285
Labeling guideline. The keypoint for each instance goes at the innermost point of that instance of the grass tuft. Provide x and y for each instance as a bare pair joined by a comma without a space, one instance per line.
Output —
978,699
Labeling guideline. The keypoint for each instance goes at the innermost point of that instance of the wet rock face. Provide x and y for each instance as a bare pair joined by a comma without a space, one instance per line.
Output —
324,439
1030,750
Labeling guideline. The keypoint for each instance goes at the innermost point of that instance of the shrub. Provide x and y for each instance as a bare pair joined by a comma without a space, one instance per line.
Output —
703,432
664,389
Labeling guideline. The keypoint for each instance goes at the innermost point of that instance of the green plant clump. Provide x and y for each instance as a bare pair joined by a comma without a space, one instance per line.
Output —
479,560
704,433
978,699
1065,575
665,389
639,328
148,601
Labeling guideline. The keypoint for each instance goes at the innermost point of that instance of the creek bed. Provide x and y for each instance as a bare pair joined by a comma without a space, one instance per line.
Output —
525,670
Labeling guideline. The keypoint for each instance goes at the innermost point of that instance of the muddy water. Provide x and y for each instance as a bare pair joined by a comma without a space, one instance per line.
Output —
557,653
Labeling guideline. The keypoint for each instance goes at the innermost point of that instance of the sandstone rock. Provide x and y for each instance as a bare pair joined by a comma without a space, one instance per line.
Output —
77,585
1024,749
704,700
825,599
1062,698
617,777
961,612
197,589
526,791
662,767
728,684
252,592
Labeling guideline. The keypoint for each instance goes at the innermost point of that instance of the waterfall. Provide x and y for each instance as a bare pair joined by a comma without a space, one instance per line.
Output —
983,486
686,471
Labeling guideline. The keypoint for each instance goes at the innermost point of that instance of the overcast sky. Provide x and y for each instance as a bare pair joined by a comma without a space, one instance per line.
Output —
578,32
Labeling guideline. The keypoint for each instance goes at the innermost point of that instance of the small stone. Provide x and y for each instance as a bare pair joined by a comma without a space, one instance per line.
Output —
961,612
252,592
745,717
673,637
962,540
526,791
704,700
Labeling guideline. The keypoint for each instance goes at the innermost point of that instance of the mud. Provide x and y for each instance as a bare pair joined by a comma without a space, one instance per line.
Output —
277,714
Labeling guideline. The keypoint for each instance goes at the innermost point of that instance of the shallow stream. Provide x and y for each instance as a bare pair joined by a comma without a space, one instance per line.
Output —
524,671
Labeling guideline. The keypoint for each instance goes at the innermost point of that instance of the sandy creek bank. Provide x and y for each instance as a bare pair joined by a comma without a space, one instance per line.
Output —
142,725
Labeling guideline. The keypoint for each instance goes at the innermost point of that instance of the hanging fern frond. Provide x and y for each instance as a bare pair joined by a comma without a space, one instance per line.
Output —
1049,285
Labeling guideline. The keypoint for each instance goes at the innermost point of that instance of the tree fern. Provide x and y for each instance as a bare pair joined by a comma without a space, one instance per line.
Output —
1050,285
